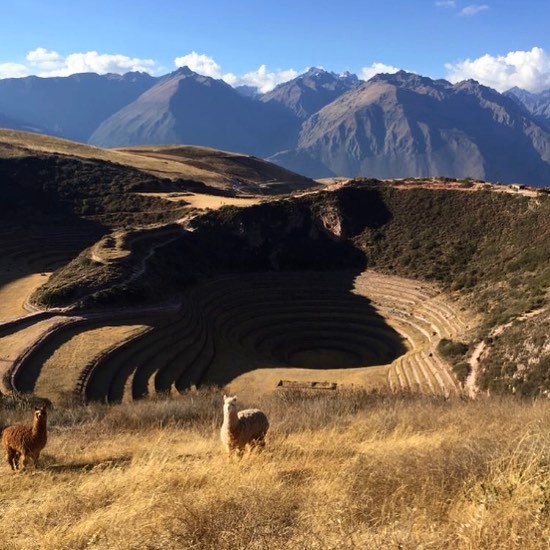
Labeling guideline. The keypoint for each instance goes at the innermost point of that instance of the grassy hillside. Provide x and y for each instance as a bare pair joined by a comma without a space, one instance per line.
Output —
494,247
240,172
278,235
61,186
218,169
339,471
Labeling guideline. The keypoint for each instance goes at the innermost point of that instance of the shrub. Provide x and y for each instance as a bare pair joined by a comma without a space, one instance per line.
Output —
452,350
462,370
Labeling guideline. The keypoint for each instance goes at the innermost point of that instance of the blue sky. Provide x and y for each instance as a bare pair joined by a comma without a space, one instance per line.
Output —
499,42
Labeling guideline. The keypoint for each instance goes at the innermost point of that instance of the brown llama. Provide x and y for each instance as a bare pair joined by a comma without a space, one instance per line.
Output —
23,441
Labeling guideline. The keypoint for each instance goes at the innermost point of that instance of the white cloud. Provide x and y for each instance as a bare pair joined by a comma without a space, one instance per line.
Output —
473,9
446,4
377,68
46,60
51,63
13,70
199,63
529,70
261,78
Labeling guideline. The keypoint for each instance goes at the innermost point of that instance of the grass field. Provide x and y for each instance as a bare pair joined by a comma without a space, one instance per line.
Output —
340,470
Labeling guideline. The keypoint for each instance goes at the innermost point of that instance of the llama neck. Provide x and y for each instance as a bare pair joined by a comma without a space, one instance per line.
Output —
230,418
39,426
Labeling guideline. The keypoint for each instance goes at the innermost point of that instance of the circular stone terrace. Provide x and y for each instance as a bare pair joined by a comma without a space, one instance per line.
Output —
247,332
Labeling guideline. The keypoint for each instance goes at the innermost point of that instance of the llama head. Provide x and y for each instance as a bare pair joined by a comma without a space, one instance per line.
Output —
40,413
229,403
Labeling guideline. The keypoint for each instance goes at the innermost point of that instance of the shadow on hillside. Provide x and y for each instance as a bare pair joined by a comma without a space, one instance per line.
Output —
48,202
308,320
31,244
233,324
275,290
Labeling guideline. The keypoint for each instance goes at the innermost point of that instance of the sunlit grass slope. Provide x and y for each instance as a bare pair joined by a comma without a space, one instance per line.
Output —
210,166
340,470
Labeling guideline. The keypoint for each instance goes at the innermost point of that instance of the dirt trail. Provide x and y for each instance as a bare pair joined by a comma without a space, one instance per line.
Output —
202,202
470,386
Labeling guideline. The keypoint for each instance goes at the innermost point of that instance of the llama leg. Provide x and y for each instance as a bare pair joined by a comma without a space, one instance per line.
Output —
257,444
35,458
24,461
11,457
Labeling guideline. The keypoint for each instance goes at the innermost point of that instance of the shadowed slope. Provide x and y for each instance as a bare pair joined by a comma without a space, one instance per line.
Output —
230,325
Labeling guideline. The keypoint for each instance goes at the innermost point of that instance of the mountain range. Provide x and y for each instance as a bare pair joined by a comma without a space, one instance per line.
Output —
537,104
320,124
399,125
71,107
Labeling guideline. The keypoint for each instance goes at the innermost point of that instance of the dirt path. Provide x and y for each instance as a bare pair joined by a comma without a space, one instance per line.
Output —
470,386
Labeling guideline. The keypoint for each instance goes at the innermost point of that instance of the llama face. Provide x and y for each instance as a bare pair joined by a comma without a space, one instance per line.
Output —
40,412
229,403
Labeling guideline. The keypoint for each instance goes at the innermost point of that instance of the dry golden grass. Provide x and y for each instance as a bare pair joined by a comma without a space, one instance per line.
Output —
197,200
348,470
15,143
